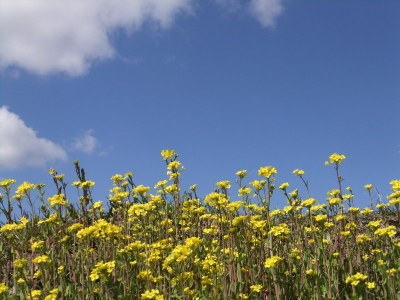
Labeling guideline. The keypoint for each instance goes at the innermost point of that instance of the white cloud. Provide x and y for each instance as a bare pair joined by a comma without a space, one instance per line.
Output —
266,11
20,145
230,5
48,36
86,142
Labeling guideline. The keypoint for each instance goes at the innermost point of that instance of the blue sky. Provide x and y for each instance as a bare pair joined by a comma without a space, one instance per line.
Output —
229,85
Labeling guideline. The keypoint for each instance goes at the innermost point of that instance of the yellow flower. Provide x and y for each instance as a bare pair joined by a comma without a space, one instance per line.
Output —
356,278
141,190
7,182
153,294
308,202
256,288
258,184
3,288
321,218
168,154
280,230
53,295
244,191
387,231
24,188
362,238
43,259
20,263
298,172
223,184
34,295
102,270
272,261
368,187
37,245
311,272
267,171
370,285
86,184
241,173
284,185
391,271
336,158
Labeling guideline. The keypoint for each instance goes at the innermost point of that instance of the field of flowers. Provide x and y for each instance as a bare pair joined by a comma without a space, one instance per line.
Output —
174,245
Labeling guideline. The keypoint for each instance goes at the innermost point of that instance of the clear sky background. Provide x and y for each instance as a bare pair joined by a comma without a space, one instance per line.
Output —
228,84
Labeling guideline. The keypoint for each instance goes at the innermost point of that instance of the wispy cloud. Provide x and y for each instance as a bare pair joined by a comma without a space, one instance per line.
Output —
20,146
265,12
48,36
86,142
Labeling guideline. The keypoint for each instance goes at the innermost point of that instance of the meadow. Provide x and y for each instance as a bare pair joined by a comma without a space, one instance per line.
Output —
174,245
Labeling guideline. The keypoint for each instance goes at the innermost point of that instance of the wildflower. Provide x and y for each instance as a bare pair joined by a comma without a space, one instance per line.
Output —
3,288
153,294
267,171
174,165
256,288
298,172
60,269
328,224
19,263
370,285
283,186
362,238
367,211
244,191
100,228
387,231
258,184
75,227
34,295
356,279
391,271
53,295
43,259
58,200
20,281
242,174
317,208
193,187
321,218
280,230
6,183
311,272
86,184
223,184
368,187
24,188
335,158
308,202
171,189
51,219
294,194
333,201
168,154
141,190
272,261
102,270
97,204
